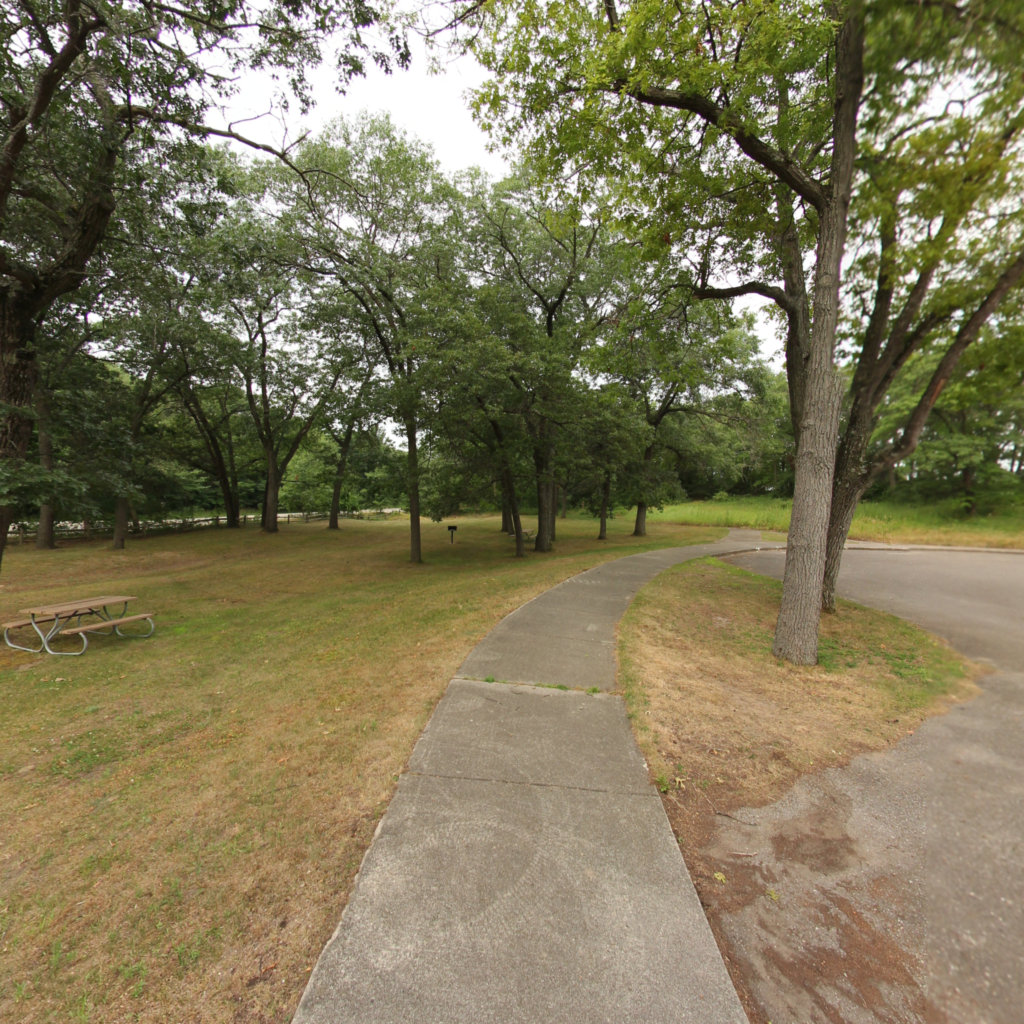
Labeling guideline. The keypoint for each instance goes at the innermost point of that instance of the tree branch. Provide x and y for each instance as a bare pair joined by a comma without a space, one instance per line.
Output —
908,440
47,83
776,294
778,164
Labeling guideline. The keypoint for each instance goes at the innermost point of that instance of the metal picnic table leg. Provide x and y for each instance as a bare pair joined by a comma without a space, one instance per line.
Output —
22,647
55,631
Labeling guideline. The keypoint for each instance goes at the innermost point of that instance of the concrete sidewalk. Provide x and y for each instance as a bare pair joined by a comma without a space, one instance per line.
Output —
525,870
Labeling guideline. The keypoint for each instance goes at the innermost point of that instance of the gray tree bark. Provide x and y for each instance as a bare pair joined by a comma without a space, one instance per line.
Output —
413,484
271,492
18,373
344,447
640,523
122,513
796,630
606,497
44,533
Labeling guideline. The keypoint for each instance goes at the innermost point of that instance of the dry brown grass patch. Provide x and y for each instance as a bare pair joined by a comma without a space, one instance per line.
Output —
181,817
725,725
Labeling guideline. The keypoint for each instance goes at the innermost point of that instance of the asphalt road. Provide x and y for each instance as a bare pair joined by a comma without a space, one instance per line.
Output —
900,878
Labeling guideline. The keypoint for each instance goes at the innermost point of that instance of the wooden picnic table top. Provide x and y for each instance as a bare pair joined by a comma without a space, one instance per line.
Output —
81,605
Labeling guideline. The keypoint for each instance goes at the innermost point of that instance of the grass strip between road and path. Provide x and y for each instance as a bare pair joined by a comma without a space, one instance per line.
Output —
183,816
724,725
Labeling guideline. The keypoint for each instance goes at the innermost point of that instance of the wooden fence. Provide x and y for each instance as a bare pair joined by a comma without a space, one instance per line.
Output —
20,533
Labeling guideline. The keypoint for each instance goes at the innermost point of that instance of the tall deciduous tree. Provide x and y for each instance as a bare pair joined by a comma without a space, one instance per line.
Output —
671,354
735,131
701,86
939,243
84,86
285,368
544,255
476,397
371,217
972,447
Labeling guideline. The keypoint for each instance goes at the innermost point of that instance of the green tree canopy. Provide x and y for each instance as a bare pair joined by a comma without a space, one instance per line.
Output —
743,135
88,90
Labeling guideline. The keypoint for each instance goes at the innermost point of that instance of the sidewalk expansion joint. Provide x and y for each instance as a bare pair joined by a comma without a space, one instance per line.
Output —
527,784
590,638
590,691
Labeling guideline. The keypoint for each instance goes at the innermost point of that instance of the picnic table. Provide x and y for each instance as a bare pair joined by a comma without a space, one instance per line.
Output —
78,617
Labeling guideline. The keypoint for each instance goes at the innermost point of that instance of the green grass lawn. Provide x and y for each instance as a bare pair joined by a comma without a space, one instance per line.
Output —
889,522
183,815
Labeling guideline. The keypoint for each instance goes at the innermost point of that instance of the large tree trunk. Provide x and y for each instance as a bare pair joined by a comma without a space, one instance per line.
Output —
335,512
640,523
511,521
222,465
122,513
846,493
6,518
339,475
545,510
542,458
45,537
541,432
44,534
851,478
517,529
511,503
227,474
606,497
413,486
798,319
232,506
18,372
271,496
796,631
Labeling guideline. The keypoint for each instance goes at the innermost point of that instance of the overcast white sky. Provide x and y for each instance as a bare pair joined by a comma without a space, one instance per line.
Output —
431,107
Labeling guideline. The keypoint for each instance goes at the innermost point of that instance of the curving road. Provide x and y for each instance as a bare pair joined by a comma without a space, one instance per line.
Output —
901,876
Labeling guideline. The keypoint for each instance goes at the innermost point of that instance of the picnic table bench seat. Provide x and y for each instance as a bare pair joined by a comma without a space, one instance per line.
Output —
92,627
21,623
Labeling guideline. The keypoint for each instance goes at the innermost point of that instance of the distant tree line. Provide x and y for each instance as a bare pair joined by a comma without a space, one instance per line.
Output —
357,329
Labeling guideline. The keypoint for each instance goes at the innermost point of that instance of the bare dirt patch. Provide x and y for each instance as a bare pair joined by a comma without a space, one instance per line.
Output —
812,931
